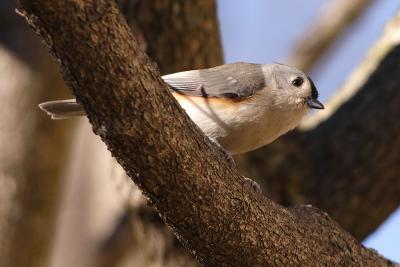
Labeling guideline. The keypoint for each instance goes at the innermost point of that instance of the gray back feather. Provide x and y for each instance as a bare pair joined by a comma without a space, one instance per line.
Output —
233,81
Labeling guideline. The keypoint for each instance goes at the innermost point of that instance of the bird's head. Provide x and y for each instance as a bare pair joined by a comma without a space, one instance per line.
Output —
292,88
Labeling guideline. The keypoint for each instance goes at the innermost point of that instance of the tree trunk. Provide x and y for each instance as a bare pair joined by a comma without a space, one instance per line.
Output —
184,176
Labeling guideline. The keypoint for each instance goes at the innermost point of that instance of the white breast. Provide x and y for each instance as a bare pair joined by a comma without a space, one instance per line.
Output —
238,126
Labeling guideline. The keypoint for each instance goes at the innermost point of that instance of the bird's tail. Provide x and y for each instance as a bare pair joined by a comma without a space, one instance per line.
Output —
62,109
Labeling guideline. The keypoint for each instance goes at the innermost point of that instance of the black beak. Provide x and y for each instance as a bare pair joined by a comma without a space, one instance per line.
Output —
314,103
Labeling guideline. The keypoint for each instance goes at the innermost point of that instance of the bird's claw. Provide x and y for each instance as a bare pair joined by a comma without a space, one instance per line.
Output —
253,185
227,156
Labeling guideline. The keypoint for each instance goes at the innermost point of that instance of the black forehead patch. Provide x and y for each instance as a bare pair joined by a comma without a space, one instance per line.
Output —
314,91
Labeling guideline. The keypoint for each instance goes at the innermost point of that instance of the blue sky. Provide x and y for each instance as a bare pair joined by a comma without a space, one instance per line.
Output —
264,31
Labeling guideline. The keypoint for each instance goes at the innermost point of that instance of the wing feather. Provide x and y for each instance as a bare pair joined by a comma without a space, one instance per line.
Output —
233,81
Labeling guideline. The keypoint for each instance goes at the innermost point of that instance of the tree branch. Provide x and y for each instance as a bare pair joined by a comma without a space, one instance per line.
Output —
180,171
157,25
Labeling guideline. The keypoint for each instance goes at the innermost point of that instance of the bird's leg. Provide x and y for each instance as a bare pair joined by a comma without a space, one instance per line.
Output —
227,156
247,181
253,184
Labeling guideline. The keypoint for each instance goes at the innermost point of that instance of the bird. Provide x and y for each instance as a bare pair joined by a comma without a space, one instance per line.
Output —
240,106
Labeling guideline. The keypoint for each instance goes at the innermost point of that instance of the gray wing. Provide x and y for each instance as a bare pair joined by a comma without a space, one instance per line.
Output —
234,81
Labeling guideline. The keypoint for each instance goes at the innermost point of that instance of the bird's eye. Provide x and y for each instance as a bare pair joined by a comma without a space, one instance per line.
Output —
298,81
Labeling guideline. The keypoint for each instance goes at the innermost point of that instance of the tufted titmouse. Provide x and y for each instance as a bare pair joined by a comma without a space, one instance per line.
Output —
242,106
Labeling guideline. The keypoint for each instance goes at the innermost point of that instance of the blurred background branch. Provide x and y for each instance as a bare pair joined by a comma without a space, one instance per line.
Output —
33,150
334,18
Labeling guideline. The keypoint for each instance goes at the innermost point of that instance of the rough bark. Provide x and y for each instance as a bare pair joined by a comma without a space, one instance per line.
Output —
334,19
178,35
167,31
184,176
348,164
32,149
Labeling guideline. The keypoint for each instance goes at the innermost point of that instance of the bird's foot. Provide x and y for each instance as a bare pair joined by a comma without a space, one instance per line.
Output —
227,156
253,185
